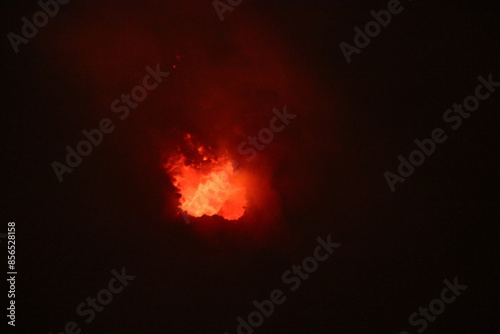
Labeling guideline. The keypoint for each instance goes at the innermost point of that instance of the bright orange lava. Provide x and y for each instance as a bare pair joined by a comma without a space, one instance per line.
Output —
208,185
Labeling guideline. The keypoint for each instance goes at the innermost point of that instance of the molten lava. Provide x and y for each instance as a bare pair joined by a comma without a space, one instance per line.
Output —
208,185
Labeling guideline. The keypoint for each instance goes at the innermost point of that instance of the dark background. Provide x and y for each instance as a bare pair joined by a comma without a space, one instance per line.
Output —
116,210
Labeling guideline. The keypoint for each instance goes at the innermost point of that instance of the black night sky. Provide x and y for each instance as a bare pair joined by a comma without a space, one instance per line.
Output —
325,176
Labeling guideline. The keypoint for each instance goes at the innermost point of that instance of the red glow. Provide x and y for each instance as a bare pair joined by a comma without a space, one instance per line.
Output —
208,185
